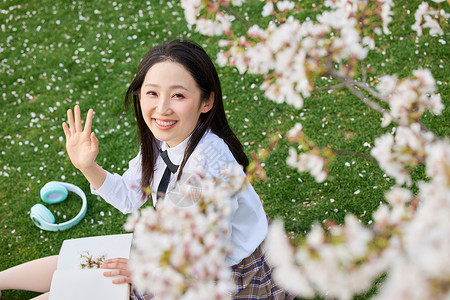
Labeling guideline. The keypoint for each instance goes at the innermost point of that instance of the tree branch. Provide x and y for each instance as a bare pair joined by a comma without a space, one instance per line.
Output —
329,87
233,13
351,83
368,89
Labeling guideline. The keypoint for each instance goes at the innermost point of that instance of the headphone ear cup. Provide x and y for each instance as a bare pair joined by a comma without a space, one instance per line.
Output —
53,192
39,214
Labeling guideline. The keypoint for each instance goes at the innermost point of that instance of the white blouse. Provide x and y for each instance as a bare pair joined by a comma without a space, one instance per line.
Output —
248,220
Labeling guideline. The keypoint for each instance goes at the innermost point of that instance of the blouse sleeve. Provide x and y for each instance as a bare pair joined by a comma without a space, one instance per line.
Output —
123,191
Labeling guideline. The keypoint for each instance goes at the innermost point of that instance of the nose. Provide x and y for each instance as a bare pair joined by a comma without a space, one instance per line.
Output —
163,105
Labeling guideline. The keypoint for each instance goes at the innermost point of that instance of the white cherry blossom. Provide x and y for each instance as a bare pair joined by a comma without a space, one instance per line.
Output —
409,238
188,243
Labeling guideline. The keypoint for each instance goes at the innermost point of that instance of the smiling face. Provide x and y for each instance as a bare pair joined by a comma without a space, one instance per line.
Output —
170,102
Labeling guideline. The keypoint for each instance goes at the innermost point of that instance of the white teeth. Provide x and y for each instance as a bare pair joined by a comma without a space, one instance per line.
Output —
165,123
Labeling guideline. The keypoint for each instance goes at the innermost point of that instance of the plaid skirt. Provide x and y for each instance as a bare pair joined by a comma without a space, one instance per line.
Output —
253,280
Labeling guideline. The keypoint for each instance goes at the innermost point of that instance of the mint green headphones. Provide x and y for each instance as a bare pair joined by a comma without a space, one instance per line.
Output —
55,192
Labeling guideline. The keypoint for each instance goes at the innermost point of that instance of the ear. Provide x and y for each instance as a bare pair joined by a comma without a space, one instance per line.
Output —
208,104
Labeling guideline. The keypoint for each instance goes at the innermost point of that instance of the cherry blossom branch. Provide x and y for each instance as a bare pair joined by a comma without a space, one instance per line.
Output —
236,15
335,45
329,87
365,87
350,84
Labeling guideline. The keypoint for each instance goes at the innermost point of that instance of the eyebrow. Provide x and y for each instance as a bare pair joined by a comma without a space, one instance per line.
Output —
175,86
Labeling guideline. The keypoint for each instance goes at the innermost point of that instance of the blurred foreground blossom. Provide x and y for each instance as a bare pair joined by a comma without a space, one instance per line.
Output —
179,251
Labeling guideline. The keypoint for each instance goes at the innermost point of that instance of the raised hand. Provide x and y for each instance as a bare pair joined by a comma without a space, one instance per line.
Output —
81,144
118,267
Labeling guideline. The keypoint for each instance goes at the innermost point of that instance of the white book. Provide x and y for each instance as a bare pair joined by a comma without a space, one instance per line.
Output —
71,282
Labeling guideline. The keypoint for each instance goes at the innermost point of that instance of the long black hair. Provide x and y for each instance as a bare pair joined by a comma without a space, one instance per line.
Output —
192,57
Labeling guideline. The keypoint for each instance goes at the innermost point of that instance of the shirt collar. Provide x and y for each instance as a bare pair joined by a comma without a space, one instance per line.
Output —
176,153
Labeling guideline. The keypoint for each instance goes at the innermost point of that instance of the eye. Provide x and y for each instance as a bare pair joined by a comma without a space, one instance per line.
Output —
151,93
179,96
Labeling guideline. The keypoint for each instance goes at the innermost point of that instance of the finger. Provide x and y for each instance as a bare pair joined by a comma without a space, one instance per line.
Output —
94,139
115,265
78,126
70,120
116,273
66,131
121,280
88,124
117,259
125,276
111,273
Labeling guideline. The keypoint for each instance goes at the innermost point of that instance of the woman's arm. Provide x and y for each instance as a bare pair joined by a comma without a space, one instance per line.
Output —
35,275
82,146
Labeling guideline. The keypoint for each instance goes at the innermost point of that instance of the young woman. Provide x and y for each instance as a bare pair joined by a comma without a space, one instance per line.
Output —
177,100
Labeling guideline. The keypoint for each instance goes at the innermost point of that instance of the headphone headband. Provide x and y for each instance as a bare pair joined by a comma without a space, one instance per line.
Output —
54,192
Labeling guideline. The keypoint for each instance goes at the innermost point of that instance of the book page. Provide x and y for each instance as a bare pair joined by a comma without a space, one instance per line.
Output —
111,246
71,282
86,284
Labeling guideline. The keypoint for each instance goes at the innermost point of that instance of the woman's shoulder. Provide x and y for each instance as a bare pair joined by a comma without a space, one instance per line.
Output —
211,146
212,154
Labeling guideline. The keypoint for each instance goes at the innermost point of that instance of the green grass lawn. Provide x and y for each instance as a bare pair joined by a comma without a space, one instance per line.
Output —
55,54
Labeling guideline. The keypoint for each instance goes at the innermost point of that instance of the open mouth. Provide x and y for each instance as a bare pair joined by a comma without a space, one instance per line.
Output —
164,124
